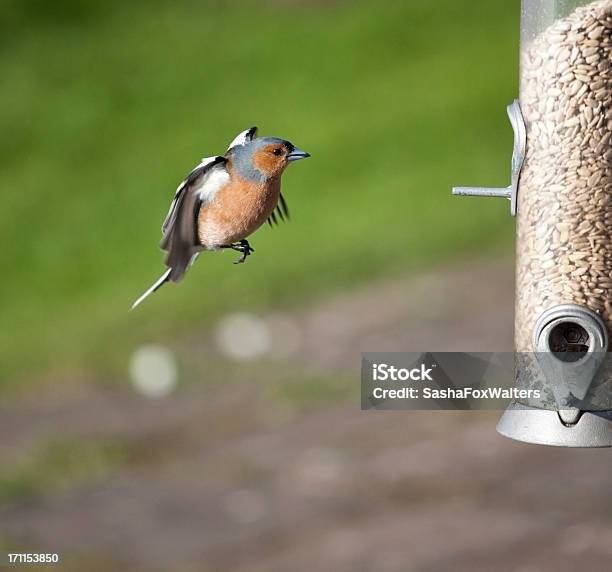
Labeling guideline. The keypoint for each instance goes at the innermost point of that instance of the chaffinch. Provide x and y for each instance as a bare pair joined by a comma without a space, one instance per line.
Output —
224,200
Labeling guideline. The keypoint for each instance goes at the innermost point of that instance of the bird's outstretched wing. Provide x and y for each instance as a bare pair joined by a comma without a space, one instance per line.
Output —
179,230
180,227
282,210
244,137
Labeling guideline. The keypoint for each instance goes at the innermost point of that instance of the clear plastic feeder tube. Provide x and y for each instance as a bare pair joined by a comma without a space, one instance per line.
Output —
538,15
564,214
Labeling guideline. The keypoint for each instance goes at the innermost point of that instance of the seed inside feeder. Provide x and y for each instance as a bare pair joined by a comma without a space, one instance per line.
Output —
564,238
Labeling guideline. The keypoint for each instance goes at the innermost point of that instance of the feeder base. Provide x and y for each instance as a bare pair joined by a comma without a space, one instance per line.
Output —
543,427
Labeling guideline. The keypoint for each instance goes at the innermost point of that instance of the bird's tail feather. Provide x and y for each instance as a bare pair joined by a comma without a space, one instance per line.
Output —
160,282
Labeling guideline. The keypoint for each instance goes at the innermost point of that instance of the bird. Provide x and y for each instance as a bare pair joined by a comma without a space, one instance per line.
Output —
223,200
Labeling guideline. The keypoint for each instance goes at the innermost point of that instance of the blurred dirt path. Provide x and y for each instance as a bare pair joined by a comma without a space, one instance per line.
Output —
225,478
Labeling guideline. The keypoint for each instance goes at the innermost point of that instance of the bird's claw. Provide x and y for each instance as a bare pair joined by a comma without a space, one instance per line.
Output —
244,248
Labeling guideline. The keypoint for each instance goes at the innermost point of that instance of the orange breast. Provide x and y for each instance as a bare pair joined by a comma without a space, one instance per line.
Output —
237,211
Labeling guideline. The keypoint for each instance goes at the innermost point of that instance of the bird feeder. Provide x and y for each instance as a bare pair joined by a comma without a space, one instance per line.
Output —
561,195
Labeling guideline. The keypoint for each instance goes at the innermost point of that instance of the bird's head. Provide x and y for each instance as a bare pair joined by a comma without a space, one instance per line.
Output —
265,157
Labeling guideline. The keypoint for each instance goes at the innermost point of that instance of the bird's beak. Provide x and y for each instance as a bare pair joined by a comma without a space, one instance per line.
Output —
297,154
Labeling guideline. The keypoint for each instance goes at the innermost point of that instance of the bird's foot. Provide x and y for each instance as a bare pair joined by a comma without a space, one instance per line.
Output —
243,247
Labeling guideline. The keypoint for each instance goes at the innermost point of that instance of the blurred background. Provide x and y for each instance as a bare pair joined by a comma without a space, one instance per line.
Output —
217,428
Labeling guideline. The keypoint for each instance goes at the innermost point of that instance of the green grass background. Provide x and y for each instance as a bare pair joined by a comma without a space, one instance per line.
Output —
104,107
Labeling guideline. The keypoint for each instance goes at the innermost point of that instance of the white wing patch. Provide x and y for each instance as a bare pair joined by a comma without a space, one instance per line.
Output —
211,185
205,161
243,138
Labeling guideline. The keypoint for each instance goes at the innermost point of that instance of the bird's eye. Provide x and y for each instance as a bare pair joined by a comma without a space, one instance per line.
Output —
278,151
